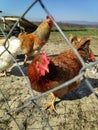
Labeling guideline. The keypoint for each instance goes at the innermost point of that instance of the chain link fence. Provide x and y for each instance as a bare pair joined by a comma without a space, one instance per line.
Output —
22,107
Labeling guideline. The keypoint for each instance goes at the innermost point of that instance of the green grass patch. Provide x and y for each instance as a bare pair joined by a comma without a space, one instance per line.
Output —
80,32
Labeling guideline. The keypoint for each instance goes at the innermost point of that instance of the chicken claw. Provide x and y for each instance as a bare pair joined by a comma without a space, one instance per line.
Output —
52,103
4,74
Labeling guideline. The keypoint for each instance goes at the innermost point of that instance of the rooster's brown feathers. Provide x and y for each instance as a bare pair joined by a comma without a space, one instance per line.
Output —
32,43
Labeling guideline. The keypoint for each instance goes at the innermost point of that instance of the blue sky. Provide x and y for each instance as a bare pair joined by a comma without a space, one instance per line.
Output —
61,10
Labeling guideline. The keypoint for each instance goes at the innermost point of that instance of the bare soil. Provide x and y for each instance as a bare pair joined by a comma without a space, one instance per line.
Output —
78,110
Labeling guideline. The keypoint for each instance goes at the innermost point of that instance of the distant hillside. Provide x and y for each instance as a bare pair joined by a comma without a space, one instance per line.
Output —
83,23
74,24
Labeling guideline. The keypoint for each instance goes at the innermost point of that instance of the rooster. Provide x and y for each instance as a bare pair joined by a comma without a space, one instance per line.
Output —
32,43
46,73
6,60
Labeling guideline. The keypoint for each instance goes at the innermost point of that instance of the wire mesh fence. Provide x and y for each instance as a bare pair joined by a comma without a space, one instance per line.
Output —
23,109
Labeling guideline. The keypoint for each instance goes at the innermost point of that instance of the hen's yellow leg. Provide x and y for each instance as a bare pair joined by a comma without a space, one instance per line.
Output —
52,103
3,74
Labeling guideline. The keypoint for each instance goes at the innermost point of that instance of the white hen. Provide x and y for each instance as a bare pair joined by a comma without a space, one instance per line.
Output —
6,60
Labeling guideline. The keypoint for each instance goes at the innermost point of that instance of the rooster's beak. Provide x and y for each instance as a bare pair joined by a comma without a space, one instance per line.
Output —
47,70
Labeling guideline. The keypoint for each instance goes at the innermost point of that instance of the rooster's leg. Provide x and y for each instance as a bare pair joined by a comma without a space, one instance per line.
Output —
52,104
25,59
3,74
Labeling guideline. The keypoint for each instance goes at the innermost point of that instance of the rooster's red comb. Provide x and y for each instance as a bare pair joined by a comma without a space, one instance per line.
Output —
48,17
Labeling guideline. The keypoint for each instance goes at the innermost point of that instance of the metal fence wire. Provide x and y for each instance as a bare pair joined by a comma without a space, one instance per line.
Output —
21,107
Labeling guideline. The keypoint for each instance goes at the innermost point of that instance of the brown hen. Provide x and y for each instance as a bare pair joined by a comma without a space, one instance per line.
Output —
46,73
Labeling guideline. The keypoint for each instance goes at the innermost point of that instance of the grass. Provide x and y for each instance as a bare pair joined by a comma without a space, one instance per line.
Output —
80,32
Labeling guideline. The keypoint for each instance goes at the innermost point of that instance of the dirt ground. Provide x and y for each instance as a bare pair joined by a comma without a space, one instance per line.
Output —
78,110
